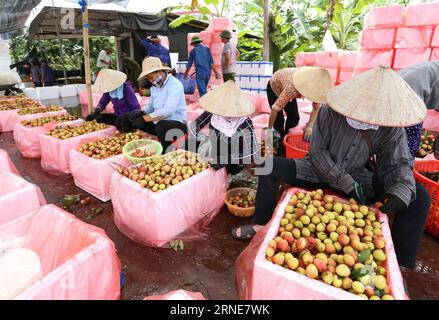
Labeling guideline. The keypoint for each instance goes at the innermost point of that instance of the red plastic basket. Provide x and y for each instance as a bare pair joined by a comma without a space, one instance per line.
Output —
295,146
432,225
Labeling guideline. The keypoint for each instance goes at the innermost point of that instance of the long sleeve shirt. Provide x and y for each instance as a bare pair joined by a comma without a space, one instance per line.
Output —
338,155
202,57
282,84
123,106
168,101
157,50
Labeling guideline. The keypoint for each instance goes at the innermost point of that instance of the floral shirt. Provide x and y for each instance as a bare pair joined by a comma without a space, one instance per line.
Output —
414,138
282,84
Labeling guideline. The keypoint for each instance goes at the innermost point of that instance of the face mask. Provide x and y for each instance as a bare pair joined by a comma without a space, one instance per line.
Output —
158,82
361,125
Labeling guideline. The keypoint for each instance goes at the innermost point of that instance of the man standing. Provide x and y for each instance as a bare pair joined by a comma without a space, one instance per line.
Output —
47,74
228,57
155,49
202,57
132,69
104,59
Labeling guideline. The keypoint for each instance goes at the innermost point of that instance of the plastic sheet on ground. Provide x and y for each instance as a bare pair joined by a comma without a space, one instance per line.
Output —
79,260
179,212
27,139
6,163
259,279
84,167
55,153
431,123
17,197
177,295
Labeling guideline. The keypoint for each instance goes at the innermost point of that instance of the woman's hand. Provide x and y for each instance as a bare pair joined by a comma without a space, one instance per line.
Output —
307,132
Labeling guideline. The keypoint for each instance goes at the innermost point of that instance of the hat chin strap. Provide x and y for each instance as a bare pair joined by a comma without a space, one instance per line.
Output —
360,125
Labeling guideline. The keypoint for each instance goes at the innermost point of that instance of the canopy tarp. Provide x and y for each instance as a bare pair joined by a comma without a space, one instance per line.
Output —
13,15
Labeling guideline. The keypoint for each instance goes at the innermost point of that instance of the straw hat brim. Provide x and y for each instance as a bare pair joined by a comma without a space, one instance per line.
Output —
313,83
228,101
378,97
109,80
146,72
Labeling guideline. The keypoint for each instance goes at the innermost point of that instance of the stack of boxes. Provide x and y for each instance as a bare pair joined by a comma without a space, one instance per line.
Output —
393,36
253,76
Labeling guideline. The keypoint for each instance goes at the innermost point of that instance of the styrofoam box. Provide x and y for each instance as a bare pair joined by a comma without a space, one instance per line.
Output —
384,17
68,91
422,14
220,24
80,87
435,38
256,68
408,57
377,38
327,59
216,48
181,66
305,59
345,74
434,54
373,58
348,59
31,93
48,93
413,37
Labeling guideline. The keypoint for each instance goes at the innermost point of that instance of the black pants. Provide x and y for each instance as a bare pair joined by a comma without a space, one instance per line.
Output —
281,125
38,84
160,130
407,228
108,118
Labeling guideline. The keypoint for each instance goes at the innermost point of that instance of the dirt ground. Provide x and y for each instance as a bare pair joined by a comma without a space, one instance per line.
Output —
207,266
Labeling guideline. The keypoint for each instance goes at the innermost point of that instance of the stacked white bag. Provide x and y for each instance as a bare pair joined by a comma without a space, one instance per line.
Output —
5,59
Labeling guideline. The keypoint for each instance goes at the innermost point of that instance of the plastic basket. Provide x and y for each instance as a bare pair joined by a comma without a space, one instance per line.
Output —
238,211
295,146
141,144
432,224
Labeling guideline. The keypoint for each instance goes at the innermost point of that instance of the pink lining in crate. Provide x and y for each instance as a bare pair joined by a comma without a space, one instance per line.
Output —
27,139
349,59
96,97
155,219
79,260
259,279
7,120
422,14
177,295
305,59
431,123
83,167
377,38
408,57
55,153
328,59
6,163
374,58
434,54
384,17
16,118
413,37
17,197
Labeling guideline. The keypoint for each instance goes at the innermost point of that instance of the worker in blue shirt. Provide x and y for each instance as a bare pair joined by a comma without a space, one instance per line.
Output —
166,108
155,49
202,57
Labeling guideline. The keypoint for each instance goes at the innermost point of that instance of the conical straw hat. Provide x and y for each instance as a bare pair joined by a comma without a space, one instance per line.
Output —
378,97
313,83
150,65
109,80
228,101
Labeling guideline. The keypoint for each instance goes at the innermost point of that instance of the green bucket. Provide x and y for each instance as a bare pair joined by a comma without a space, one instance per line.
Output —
142,144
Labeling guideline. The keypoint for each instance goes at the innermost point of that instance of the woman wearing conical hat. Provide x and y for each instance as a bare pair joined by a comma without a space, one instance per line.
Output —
359,148
232,142
114,88
287,85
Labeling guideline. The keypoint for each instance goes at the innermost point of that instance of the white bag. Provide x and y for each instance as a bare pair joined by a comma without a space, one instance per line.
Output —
10,77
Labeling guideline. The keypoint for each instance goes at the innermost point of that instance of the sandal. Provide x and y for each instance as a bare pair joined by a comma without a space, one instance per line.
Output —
247,232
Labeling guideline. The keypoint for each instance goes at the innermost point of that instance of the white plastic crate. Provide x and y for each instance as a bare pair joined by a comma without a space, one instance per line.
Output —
181,66
46,93
68,91
80,87
31,93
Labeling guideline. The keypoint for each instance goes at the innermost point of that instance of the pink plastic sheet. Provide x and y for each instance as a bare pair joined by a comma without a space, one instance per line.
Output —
7,121
408,57
328,59
384,17
83,167
55,153
434,54
305,59
374,58
79,260
348,59
178,295
16,118
17,197
260,102
180,212
304,119
27,139
422,14
377,38
414,37
431,123
259,279
6,163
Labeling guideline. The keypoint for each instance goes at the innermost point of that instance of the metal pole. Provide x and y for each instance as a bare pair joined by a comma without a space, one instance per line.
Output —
85,28
266,53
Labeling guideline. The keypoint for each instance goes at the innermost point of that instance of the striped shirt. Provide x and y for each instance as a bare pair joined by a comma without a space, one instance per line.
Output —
282,84
339,154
